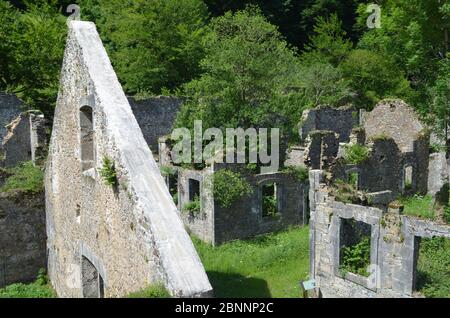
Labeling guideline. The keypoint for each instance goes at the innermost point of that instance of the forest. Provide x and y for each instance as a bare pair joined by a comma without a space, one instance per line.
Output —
242,63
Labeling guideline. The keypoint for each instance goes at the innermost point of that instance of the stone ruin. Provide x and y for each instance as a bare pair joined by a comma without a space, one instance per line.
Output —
246,217
103,239
109,239
397,162
23,137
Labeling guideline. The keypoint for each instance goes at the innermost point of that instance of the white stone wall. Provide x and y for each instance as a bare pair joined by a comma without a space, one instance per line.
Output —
131,232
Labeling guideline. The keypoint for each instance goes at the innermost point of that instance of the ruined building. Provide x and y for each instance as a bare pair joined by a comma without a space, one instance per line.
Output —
277,200
353,200
112,226
23,138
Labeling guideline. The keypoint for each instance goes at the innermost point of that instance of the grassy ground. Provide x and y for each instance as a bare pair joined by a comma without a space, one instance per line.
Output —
154,291
38,289
421,206
267,266
24,178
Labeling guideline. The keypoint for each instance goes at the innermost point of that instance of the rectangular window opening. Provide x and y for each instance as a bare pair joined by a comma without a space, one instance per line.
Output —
354,247
270,200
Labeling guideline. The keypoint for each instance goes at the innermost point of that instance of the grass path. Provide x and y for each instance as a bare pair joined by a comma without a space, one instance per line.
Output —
267,266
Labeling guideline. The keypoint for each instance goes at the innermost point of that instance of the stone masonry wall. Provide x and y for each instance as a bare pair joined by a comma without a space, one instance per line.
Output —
244,219
22,237
10,108
393,248
339,120
155,116
130,232
26,139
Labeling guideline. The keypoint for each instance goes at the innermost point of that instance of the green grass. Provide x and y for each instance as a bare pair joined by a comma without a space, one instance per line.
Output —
420,206
154,291
267,266
24,178
38,289
433,267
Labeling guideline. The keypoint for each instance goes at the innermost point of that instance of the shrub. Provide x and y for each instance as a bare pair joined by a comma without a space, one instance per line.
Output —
447,214
270,206
168,171
301,174
25,178
433,265
356,258
38,289
108,172
228,186
153,291
192,207
356,153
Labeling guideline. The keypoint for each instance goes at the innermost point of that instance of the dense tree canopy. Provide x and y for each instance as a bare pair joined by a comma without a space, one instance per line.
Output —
153,44
248,75
253,67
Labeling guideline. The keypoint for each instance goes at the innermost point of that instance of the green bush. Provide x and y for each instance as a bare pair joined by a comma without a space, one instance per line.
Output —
108,172
153,291
25,178
270,206
168,171
447,214
356,258
301,174
356,153
38,289
433,278
193,207
228,186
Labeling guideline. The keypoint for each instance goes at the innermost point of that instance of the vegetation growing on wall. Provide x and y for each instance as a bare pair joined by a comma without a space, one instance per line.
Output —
25,178
356,153
345,192
301,174
229,186
108,172
193,207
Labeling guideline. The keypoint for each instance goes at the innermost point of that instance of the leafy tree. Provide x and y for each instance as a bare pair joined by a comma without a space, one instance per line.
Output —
8,17
229,186
344,10
439,111
324,84
35,45
153,44
329,42
414,33
249,77
373,77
